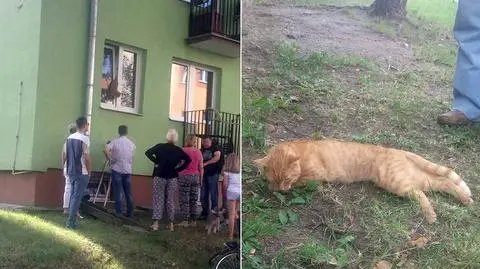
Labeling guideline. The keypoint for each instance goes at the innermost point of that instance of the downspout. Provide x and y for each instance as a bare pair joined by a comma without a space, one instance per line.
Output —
17,134
92,38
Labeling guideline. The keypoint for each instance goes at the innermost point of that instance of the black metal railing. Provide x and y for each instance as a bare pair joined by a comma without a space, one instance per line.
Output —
223,127
220,17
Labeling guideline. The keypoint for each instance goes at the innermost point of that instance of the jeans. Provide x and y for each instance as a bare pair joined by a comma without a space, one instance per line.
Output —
122,182
466,88
67,192
209,193
78,186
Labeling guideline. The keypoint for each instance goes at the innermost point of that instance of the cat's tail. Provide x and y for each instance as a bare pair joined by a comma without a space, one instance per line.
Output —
439,170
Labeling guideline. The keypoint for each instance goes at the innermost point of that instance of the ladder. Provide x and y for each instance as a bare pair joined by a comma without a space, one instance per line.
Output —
106,183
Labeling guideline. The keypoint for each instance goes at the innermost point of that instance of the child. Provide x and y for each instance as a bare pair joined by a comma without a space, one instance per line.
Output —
231,181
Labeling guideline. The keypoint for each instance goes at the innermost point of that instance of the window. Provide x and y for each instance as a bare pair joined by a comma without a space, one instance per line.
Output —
121,78
192,88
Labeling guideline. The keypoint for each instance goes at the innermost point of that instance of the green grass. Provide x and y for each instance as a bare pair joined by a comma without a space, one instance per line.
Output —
438,11
38,240
293,79
318,253
357,99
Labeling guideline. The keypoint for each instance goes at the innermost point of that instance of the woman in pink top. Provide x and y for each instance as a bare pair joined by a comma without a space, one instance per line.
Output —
189,182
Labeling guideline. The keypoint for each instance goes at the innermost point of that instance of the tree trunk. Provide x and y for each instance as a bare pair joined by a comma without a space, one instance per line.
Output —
392,9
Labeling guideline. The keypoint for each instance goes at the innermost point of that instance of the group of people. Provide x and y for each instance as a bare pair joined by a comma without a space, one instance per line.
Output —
176,170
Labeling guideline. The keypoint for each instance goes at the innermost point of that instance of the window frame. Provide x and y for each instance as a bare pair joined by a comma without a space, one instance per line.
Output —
203,76
190,82
118,49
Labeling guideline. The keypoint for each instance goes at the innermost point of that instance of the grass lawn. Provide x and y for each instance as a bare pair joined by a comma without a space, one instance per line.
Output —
290,92
439,11
38,240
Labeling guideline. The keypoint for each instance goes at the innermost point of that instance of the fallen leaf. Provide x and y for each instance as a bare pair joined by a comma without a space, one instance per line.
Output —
383,265
403,259
420,242
333,261
294,98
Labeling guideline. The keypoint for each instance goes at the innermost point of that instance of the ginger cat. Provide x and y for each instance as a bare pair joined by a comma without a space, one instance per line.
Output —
400,172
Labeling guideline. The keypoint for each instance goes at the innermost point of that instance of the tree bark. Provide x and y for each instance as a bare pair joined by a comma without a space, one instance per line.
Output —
391,9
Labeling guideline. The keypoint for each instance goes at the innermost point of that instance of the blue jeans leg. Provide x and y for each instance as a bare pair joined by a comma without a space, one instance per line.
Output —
466,92
204,194
117,188
79,183
212,182
209,193
127,188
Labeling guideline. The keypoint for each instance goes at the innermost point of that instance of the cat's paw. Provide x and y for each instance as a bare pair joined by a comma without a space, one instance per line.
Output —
466,200
431,218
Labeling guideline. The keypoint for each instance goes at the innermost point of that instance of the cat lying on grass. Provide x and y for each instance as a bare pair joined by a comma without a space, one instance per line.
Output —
400,172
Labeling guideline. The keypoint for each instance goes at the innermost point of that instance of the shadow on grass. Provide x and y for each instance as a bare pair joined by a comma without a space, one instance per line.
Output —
31,242
38,240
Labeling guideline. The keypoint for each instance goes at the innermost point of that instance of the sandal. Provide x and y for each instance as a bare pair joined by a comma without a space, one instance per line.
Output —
154,227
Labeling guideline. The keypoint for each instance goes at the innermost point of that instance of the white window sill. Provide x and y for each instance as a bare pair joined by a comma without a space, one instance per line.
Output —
175,119
120,111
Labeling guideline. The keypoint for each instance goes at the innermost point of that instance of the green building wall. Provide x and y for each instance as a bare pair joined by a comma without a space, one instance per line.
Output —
159,28
19,44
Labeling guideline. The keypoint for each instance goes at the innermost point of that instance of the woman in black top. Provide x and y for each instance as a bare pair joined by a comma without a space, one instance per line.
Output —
169,160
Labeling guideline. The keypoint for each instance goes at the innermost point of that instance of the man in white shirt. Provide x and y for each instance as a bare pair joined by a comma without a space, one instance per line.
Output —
120,153
78,168
72,128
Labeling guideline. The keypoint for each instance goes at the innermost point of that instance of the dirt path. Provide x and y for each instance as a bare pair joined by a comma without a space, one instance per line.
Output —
330,29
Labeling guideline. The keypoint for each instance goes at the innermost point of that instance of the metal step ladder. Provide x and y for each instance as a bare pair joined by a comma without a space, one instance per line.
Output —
104,188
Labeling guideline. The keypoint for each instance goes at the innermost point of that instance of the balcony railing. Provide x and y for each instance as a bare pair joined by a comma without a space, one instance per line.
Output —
215,17
224,128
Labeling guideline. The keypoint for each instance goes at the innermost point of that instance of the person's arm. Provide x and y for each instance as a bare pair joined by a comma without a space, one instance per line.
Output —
151,154
200,167
225,180
86,157
185,160
107,150
64,154
216,158
87,163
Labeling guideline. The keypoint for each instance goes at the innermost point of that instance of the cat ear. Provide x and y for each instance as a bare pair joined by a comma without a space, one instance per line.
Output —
291,155
262,162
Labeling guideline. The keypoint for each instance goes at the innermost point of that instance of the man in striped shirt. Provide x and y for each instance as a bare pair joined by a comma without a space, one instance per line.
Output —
78,168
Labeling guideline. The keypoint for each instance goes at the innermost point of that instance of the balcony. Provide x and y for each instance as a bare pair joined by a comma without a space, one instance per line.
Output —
215,26
222,127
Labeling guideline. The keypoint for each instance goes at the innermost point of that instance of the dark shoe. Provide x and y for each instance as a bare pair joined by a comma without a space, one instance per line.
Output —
73,225
453,118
